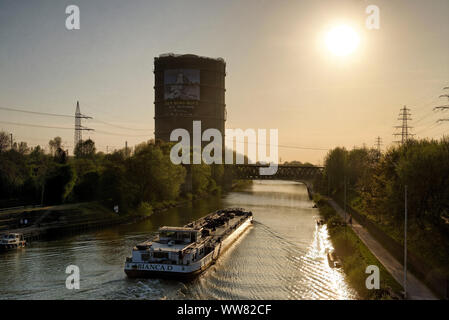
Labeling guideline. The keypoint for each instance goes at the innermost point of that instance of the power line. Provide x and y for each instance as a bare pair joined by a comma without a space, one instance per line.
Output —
120,134
443,107
426,125
70,116
284,146
68,128
302,148
421,106
35,125
440,132
431,126
120,127
115,125
429,113
36,112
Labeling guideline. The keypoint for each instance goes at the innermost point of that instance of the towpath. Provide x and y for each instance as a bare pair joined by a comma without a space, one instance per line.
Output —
416,290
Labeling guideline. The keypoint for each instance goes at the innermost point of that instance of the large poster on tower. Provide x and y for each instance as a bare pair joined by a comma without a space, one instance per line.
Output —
181,91
182,84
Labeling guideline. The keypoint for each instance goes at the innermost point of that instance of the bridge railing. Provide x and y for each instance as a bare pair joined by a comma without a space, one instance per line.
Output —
289,172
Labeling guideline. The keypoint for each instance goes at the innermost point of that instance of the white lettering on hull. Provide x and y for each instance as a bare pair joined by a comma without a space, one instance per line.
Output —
148,266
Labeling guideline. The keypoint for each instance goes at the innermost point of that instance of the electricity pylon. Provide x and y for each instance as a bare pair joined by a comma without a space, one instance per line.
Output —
405,134
443,107
378,144
78,127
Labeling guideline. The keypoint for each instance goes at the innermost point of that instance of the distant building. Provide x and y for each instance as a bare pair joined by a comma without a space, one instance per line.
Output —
187,88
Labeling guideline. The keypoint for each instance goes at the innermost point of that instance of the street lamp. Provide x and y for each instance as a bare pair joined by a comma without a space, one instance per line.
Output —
405,244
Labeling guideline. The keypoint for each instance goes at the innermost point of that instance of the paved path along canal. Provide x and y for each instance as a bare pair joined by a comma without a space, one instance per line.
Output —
415,288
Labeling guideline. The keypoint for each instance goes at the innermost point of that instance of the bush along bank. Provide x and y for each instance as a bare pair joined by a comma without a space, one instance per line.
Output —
355,256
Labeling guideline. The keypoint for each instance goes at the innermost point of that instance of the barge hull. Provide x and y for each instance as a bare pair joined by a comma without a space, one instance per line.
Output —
154,270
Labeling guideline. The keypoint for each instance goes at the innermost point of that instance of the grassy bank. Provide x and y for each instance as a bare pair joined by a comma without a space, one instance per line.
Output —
356,256
426,241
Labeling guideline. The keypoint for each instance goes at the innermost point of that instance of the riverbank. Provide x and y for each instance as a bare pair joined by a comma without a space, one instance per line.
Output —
356,256
427,245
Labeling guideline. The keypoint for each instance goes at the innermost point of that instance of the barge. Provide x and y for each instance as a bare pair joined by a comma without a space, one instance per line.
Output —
184,252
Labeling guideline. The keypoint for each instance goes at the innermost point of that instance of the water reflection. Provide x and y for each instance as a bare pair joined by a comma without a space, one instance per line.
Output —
282,256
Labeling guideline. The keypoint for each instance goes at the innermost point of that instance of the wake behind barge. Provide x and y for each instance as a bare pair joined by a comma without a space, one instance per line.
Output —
187,251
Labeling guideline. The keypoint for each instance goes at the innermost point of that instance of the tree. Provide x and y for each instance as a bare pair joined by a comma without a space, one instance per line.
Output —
293,163
59,184
39,163
60,156
336,168
153,174
13,175
4,141
115,189
85,149
55,144
201,178
22,147
87,188
217,173
37,153
145,176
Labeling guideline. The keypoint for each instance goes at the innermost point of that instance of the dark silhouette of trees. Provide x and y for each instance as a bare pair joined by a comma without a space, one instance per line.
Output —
55,144
145,177
59,183
60,156
376,184
85,149
21,147
4,141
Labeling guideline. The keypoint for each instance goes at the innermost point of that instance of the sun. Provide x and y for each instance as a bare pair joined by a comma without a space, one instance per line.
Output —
342,40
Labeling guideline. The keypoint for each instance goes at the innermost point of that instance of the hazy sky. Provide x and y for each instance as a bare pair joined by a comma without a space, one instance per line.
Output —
279,74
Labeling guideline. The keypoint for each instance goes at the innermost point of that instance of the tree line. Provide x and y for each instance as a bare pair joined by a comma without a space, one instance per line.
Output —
144,177
375,182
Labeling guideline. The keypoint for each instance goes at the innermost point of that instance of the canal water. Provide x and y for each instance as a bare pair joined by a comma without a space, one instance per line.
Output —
282,256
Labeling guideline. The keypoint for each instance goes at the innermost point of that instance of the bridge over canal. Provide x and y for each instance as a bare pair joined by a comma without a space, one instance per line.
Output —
304,174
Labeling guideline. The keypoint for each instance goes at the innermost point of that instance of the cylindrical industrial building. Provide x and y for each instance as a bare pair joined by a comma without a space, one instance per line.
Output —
188,88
